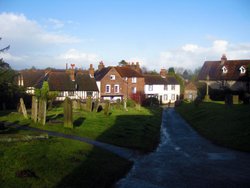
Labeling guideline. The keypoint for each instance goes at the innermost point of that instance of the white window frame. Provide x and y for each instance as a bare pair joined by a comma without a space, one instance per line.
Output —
173,97
116,88
242,70
134,90
172,87
165,97
134,80
112,77
224,70
106,88
150,87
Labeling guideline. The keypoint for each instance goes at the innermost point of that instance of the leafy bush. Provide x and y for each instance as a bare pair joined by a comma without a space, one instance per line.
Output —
152,101
131,103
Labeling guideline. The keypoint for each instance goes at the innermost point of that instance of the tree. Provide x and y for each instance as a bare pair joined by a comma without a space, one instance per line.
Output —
9,90
122,63
171,71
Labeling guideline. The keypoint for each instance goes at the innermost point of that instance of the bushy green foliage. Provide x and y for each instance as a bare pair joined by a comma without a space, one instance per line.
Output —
131,103
152,101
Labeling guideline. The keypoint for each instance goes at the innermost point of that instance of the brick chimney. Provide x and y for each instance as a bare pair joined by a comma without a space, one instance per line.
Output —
163,73
101,66
91,71
223,59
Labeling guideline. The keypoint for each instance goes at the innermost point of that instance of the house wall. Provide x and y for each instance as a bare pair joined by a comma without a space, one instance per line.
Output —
125,86
190,94
165,96
234,85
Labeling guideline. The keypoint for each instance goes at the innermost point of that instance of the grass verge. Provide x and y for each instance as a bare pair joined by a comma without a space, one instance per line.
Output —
224,125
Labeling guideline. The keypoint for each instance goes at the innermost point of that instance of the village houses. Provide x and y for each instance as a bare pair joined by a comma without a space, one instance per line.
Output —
105,83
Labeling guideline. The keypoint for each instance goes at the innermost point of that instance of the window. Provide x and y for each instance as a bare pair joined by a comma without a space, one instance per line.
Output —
150,87
134,80
107,89
172,87
224,70
173,97
89,93
134,90
71,93
165,87
117,89
165,97
112,77
242,70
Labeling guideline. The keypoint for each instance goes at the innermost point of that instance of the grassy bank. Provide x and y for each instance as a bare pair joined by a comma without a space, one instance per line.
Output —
58,162
225,125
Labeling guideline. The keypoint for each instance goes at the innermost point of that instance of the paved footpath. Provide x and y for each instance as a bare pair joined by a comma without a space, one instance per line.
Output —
120,151
186,160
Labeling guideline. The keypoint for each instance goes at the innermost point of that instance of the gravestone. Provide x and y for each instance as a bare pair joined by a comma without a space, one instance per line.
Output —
235,99
42,111
23,108
106,107
34,109
68,113
89,104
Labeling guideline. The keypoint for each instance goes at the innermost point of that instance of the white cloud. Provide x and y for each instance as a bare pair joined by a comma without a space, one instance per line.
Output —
192,56
57,24
81,59
21,31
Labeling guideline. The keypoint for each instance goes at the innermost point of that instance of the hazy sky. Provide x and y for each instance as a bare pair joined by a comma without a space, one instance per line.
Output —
158,34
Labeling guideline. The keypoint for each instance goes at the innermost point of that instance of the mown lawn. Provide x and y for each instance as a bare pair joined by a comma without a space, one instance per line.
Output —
134,129
58,162
225,125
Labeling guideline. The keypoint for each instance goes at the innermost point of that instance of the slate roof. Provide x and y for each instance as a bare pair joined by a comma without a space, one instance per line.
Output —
214,70
32,77
86,83
100,74
59,80
158,80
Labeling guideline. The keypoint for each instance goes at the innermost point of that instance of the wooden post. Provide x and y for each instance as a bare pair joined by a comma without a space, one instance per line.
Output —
23,108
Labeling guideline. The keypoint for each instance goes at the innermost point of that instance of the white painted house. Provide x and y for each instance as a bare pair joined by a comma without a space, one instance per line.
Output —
165,88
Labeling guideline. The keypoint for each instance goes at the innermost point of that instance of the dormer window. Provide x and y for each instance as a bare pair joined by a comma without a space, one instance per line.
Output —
112,77
224,70
242,70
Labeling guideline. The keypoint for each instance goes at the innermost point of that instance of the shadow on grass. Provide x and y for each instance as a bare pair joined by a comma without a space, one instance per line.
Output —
102,168
54,118
78,122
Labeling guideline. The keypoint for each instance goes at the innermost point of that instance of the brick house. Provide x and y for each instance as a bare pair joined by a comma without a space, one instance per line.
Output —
76,84
190,92
116,82
225,73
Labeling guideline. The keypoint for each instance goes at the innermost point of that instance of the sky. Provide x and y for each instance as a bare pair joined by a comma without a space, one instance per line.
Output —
156,33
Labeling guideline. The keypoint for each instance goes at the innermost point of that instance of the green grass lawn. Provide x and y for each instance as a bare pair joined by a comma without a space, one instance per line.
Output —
225,125
134,129
58,162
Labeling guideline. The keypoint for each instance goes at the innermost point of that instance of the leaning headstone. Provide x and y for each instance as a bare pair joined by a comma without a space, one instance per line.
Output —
42,111
96,105
23,108
68,113
34,109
